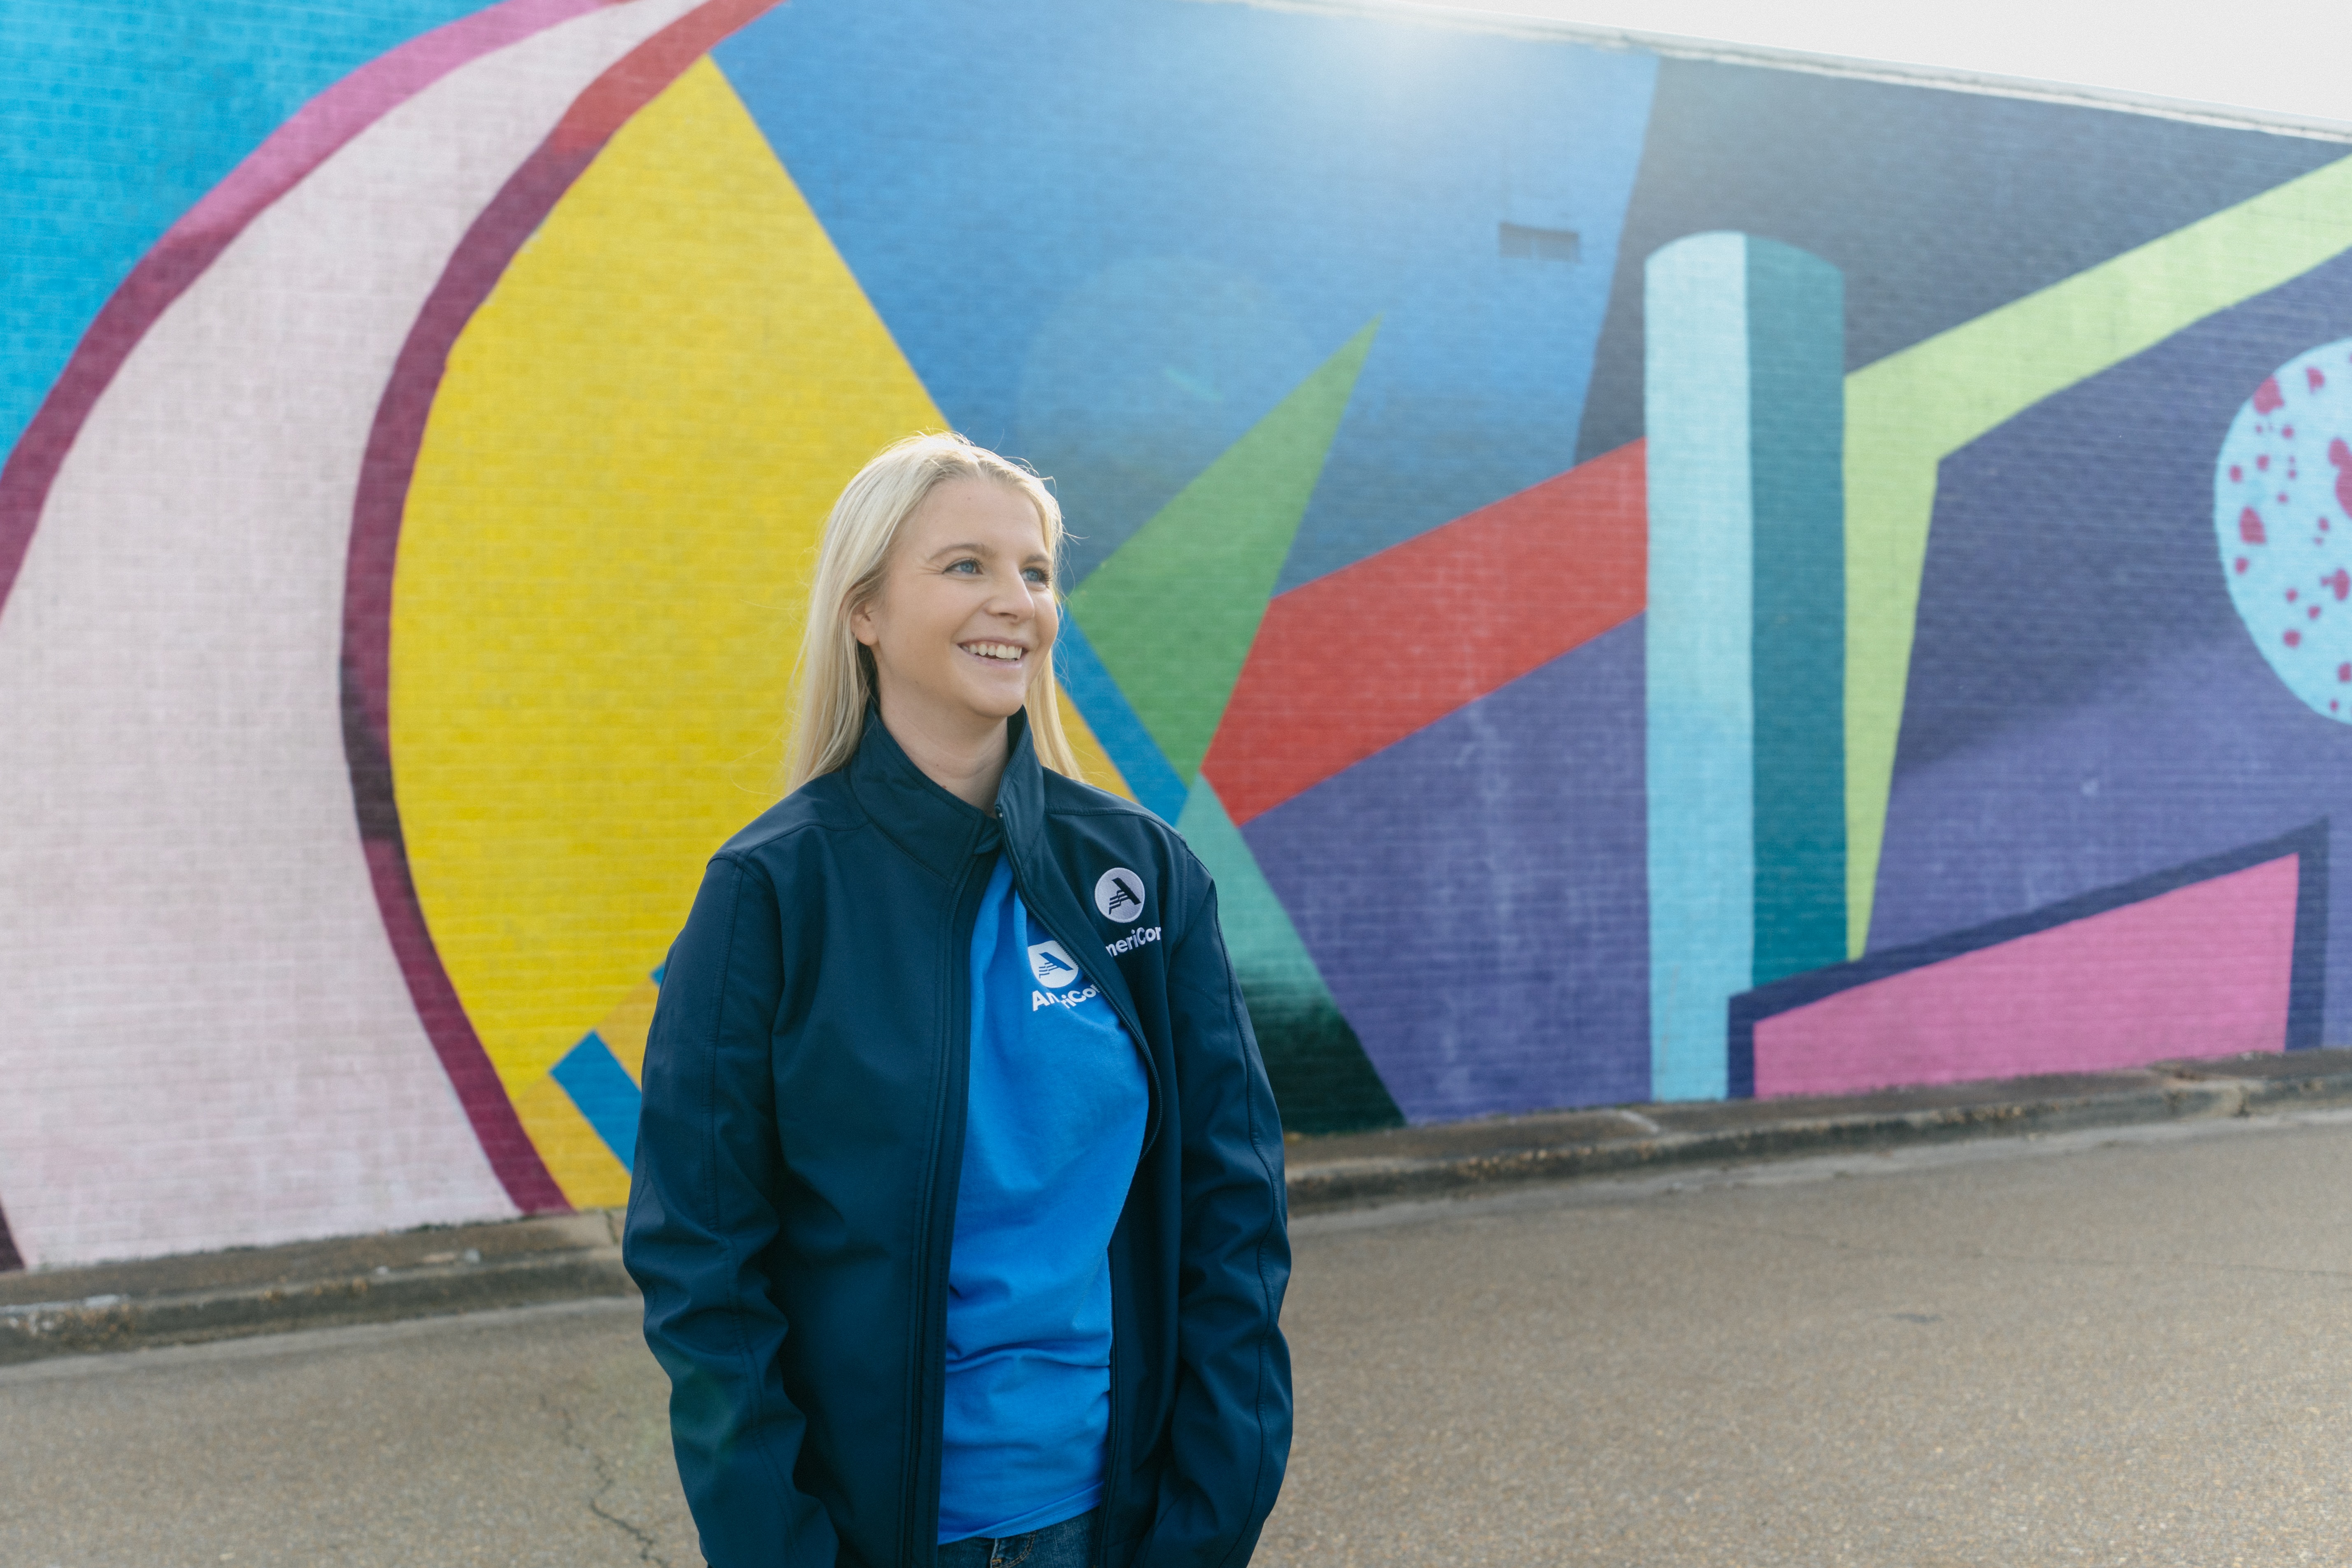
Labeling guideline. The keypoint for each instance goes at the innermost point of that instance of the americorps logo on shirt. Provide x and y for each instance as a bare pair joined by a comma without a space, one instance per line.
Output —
1050,963
1118,894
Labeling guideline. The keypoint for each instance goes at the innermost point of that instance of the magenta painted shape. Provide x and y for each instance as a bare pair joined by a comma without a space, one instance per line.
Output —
2200,971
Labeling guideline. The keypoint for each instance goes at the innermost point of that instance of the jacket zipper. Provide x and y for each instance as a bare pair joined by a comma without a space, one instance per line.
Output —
1114,1450
939,1194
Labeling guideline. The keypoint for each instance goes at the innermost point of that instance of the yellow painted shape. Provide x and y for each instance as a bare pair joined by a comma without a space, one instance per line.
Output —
1094,765
1906,413
604,559
624,1028
578,1159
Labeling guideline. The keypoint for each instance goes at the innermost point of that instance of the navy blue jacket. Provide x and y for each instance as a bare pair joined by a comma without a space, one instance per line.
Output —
802,1137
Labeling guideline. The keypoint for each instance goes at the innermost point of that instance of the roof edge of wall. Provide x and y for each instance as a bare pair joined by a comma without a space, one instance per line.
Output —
1675,46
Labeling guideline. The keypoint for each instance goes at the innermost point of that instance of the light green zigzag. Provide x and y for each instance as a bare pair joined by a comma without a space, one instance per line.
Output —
1908,412
1173,612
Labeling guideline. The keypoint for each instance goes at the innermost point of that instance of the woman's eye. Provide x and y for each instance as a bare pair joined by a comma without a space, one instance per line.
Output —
1036,575
970,568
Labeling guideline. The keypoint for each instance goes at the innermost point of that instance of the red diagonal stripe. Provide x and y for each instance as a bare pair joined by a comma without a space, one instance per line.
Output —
1356,661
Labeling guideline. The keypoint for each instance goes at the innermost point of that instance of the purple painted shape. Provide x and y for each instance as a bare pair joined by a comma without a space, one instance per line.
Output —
315,134
1477,895
2085,706
2205,751
2200,971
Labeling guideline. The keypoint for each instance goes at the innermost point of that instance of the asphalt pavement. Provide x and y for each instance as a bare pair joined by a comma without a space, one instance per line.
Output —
2116,1345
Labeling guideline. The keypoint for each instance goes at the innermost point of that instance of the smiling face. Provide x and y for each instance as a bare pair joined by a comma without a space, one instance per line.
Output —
965,615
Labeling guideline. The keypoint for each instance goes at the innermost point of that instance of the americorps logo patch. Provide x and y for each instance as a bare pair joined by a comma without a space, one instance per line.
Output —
1050,963
1119,895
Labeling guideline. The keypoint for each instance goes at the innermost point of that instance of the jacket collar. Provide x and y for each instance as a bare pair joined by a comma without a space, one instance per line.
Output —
935,827
944,832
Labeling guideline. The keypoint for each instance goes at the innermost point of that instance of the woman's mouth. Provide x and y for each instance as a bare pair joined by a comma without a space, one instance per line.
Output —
995,652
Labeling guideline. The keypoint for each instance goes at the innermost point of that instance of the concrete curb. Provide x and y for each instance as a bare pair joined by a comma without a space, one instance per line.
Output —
215,1296
1359,1184
465,1268
1323,1177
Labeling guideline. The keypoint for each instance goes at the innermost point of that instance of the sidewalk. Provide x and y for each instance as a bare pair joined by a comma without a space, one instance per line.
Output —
206,1296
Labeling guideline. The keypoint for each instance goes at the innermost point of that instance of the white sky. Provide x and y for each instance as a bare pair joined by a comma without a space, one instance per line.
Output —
2285,57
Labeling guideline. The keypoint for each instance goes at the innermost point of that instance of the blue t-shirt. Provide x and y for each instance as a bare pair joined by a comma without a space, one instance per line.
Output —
1051,1139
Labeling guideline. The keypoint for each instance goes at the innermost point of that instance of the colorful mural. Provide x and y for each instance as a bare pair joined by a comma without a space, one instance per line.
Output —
1634,589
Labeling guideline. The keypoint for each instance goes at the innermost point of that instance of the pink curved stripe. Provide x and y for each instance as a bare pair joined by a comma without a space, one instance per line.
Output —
474,270
317,131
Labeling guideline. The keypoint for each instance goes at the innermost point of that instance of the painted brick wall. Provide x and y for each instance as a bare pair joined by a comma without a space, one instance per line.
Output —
1642,577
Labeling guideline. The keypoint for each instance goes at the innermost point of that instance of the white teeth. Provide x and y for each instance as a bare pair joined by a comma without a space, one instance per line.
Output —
1000,650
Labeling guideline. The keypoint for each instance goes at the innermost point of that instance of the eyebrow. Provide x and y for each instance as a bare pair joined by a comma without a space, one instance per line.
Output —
975,548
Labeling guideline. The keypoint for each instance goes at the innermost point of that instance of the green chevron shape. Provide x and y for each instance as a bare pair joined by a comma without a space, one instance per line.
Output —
1173,612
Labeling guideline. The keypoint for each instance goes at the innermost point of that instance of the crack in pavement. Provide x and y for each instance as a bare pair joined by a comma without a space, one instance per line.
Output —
569,1434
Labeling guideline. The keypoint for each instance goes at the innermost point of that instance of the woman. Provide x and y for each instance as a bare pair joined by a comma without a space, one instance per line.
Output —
957,1206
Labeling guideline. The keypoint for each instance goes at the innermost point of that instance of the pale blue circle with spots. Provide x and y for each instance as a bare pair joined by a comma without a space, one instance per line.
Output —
2282,518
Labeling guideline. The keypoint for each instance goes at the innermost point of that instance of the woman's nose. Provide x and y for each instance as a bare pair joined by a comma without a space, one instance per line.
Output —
1010,598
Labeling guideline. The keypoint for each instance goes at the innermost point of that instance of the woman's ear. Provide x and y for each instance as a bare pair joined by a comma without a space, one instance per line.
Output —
861,622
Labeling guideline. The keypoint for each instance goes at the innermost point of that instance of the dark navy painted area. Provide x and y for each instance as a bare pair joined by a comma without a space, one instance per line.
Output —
2085,705
2306,992
1937,206
1475,895
1111,238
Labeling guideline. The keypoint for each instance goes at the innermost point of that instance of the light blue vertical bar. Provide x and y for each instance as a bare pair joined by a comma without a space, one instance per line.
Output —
1699,652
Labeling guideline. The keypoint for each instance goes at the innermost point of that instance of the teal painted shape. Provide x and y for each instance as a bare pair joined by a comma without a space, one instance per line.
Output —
1745,637
1697,648
1322,1079
1796,375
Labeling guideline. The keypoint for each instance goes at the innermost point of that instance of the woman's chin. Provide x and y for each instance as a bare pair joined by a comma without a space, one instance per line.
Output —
991,703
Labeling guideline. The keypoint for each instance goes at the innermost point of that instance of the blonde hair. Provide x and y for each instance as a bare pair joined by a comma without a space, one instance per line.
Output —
834,683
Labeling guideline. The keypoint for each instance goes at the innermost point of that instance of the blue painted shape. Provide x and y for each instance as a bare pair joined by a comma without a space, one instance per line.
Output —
1108,234
119,116
600,1086
1701,728
1747,636
2085,706
1473,894
1158,786
659,970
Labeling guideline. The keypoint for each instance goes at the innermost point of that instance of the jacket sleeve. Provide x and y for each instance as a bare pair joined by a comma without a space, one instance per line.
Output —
1230,1437
702,1215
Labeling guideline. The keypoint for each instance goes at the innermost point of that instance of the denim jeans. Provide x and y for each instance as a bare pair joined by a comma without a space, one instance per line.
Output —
1069,1544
